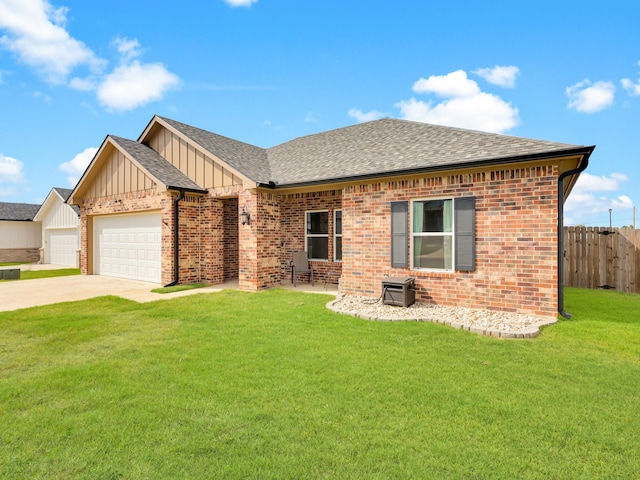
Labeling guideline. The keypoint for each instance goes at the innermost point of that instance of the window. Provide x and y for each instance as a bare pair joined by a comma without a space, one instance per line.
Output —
337,235
317,235
442,234
432,234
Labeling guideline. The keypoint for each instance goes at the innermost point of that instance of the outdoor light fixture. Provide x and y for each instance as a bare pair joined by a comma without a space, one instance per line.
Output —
245,216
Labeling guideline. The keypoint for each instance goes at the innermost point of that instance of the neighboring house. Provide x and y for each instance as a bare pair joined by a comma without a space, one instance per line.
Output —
472,216
20,237
60,229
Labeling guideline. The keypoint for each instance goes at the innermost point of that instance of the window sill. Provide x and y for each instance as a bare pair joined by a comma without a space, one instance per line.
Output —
432,270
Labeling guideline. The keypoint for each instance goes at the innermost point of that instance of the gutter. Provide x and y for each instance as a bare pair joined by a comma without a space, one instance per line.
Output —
584,151
176,240
580,169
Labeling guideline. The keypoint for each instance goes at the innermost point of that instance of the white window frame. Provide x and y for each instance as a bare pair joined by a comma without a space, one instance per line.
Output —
413,235
315,235
336,235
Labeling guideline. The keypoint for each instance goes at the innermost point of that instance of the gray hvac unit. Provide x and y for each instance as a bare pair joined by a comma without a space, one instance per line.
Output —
399,291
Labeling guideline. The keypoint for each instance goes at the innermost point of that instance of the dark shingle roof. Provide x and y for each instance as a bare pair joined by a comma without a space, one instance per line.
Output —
372,149
394,146
157,165
247,159
65,193
18,211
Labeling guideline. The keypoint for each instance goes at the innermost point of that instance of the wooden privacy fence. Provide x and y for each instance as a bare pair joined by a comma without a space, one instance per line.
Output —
597,257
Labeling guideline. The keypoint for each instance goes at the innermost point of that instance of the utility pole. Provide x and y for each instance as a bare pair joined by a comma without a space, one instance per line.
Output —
634,217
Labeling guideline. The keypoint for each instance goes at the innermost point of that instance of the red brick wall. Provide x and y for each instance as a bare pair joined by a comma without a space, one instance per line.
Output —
134,202
231,225
516,240
260,241
20,255
201,232
293,208
201,236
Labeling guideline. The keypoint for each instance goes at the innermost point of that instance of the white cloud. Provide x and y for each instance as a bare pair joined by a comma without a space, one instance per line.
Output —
484,111
10,170
240,3
83,84
587,205
128,48
629,86
600,183
361,116
465,105
586,97
78,164
453,85
134,85
37,35
499,75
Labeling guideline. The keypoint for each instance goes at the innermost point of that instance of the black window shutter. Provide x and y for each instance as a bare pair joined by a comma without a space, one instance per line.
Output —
399,234
465,221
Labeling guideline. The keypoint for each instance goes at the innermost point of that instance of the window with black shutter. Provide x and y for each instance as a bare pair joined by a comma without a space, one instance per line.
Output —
441,234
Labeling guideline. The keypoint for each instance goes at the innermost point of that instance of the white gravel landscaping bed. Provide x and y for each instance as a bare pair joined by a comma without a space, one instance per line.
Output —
484,322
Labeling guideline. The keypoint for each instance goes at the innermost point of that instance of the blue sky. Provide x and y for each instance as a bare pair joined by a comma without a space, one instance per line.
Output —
267,71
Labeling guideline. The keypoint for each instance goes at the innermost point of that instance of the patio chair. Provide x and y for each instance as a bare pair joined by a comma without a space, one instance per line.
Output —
300,266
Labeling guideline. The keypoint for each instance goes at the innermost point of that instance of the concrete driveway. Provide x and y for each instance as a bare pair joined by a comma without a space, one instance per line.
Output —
18,294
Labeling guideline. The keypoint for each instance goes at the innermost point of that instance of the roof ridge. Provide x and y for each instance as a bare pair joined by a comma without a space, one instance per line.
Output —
172,121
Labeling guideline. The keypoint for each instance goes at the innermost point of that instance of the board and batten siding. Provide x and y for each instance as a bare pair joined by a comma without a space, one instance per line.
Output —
118,175
192,161
20,234
60,215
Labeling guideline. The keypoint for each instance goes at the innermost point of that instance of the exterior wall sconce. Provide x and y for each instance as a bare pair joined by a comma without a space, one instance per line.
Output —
245,217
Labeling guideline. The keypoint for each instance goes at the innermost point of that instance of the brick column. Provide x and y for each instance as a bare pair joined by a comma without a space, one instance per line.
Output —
260,241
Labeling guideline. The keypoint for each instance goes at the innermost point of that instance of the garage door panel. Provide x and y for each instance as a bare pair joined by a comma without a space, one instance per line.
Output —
129,246
62,247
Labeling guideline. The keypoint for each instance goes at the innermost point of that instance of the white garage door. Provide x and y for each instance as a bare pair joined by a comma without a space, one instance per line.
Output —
128,246
62,246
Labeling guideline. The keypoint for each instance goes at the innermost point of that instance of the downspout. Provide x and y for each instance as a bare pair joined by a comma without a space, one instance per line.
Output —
176,241
561,178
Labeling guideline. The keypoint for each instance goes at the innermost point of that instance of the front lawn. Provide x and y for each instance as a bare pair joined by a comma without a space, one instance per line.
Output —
179,288
60,272
274,385
33,274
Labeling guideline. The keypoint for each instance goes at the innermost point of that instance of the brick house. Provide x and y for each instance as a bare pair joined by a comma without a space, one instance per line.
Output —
473,216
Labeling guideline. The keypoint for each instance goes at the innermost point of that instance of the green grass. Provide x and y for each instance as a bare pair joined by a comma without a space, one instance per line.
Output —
179,288
32,274
273,385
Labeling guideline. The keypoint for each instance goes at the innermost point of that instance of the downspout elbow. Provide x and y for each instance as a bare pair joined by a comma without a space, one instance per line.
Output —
176,240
